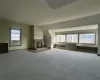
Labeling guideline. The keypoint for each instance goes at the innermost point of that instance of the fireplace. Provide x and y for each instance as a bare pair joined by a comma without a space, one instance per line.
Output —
38,43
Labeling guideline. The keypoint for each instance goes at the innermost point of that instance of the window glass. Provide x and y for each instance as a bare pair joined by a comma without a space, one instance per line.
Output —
15,37
15,34
72,38
60,38
87,38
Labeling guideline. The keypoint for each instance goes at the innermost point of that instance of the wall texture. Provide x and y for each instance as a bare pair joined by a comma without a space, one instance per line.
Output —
5,26
38,33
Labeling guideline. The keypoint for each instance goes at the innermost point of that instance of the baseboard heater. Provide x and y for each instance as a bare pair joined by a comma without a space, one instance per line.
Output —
3,48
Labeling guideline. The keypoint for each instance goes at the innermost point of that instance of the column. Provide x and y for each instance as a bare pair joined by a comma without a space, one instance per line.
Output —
98,40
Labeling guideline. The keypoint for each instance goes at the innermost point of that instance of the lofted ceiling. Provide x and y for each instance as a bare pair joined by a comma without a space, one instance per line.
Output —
38,12
87,27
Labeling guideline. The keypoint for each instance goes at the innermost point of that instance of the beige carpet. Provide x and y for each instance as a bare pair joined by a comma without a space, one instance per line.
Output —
49,65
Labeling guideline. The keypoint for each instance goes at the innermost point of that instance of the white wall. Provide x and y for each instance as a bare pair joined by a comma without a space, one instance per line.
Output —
38,33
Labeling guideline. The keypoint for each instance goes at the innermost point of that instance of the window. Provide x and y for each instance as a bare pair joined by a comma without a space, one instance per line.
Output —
60,38
72,38
87,38
15,37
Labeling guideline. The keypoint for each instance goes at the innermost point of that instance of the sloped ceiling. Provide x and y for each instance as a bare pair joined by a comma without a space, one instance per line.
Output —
37,12
90,20
87,27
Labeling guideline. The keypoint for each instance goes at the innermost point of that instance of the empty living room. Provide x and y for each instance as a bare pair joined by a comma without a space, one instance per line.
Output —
49,40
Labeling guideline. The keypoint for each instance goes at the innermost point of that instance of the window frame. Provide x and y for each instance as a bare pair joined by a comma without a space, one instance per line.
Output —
87,43
10,45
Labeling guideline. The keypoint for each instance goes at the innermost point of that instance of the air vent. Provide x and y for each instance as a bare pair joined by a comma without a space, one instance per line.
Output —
54,4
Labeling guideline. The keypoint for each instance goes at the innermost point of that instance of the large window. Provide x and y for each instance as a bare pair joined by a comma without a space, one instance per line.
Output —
82,38
15,37
72,38
60,38
87,38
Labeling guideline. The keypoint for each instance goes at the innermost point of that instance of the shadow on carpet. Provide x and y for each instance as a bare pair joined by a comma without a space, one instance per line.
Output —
36,51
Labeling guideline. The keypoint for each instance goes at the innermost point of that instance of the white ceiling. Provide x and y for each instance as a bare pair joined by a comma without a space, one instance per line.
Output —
37,12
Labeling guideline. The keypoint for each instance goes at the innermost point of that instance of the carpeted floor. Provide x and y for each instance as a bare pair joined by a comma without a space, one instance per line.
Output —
39,50
49,65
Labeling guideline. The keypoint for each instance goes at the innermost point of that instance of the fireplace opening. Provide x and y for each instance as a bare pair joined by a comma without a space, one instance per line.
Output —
39,45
